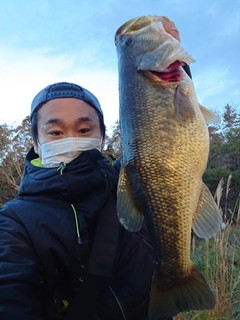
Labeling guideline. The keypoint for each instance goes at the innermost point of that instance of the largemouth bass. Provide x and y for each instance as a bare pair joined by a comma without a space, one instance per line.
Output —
165,148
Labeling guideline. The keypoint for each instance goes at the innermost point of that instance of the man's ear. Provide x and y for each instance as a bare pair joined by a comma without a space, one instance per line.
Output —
103,143
35,147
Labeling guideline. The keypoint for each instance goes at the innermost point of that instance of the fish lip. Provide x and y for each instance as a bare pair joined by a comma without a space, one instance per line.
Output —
125,27
173,73
131,26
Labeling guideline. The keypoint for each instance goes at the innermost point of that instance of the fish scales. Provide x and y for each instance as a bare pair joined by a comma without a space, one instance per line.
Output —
165,147
162,164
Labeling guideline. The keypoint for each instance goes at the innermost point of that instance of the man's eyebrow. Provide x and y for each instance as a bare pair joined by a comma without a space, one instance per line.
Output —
84,119
61,121
53,120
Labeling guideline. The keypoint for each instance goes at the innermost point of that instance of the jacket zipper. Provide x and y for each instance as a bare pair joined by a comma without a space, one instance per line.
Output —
60,169
119,303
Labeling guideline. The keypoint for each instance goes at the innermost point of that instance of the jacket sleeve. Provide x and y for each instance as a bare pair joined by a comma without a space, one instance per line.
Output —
127,296
20,273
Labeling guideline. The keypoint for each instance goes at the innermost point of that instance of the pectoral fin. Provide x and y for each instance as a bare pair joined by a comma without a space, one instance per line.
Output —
128,215
184,106
207,219
209,116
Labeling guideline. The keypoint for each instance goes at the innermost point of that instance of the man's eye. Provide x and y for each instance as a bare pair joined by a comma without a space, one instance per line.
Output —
84,130
55,133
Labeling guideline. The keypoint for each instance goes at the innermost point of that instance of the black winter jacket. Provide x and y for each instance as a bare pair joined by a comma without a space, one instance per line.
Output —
63,253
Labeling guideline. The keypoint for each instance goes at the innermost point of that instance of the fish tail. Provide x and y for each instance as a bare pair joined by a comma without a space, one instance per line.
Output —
193,293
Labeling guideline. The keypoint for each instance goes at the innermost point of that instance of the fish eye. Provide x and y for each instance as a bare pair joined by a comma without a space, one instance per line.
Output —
128,41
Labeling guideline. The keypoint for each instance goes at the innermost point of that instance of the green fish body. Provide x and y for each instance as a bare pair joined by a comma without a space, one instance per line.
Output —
165,147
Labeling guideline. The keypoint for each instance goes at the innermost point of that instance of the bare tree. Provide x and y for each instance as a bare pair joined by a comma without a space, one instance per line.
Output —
14,144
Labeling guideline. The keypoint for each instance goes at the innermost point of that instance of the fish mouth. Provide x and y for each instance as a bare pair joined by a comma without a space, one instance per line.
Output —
173,73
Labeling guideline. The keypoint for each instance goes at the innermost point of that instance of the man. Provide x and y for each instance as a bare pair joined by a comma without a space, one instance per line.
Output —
62,248
63,252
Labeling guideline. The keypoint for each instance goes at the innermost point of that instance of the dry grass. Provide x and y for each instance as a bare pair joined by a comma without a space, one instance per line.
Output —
218,259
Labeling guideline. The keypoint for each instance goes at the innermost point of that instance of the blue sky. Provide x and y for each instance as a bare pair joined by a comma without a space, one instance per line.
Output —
45,41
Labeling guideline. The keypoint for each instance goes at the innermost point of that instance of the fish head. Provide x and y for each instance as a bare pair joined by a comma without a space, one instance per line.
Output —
140,35
145,41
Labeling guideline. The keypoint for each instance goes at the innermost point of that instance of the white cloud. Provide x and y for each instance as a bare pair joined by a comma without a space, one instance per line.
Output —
75,43
25,73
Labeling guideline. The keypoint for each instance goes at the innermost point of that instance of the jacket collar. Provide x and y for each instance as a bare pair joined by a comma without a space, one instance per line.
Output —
73,182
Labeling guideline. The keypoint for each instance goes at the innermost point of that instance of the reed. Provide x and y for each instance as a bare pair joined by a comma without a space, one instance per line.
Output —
218,259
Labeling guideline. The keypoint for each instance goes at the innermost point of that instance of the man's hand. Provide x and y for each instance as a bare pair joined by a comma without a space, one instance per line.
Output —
170,27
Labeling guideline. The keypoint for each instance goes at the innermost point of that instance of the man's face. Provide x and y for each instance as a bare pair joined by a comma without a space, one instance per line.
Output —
65,118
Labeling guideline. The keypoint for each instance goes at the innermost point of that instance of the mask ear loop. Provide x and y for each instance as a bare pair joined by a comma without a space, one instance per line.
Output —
102,143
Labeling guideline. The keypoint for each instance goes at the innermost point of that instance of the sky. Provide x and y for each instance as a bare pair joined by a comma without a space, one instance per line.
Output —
47,41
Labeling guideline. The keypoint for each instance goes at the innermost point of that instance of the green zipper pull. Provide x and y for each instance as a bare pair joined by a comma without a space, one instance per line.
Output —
61,167
77,226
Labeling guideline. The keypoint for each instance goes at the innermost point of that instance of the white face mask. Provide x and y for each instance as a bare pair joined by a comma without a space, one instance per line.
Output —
65,150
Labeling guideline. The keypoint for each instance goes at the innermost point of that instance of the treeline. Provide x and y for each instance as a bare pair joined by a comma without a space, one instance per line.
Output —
224,161
15,141
224,158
